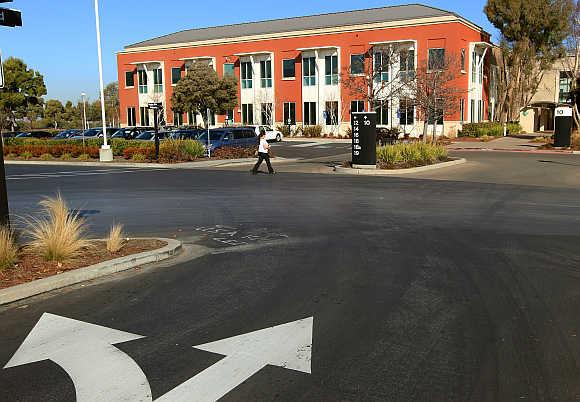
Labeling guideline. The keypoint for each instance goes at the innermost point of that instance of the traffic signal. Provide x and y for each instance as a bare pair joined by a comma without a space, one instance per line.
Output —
9,17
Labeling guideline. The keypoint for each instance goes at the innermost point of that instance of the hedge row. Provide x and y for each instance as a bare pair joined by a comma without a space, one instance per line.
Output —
410,155
488,129
118,145
37,150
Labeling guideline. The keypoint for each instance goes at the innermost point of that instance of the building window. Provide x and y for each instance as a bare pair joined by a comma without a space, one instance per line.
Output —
266,73
462,60
142,75
246,67
288,68
266,114
331,70
157,81
290,113
381,67
462,110
382,111
436,59
565,86
480,110
247,113
406,112
331,113
131,118
357,64
192,118
229,69
129,79
436,116
472,111
357,106
309,113
473,67
407,65
177,119
144,114
175,75
229,116
309,71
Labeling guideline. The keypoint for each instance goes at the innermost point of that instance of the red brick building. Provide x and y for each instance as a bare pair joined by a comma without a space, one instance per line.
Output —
293,69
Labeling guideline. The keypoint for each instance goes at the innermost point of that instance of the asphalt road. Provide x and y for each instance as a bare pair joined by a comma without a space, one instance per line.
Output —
420,289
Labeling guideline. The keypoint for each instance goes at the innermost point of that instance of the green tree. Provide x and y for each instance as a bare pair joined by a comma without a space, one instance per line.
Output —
202,89
112,103
22,92
532,32
53,112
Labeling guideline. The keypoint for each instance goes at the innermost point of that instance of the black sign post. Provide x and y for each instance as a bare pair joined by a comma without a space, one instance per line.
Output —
156,107
4,213
364,140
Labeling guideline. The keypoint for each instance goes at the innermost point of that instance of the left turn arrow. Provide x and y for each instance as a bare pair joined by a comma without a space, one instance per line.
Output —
99,371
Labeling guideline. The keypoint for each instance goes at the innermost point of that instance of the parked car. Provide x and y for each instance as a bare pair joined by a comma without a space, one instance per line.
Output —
10,134
66,134
35,134
271,134
92,133
150,135
183,134
229,137
129,133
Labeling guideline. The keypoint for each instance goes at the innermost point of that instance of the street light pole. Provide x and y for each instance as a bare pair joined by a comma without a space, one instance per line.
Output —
83,95
105,153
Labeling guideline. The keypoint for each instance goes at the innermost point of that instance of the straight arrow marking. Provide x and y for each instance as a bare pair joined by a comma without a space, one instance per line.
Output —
99,371
288,346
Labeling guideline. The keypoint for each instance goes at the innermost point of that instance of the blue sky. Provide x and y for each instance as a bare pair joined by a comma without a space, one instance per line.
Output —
58,36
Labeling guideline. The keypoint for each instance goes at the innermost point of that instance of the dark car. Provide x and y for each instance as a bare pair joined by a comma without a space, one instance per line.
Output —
66,134
150,135
92,133
186,134
129,133
229,137
35,134
10,134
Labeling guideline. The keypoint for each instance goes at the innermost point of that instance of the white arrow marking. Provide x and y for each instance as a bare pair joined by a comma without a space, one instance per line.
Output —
99,371
287,345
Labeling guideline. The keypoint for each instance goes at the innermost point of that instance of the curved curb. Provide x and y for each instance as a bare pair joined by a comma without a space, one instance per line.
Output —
73,277
394,172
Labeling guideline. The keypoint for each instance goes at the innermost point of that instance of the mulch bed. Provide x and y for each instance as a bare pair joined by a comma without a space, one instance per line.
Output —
31,267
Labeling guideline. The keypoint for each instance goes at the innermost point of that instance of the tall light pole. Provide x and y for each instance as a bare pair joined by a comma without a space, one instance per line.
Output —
105,153
83,96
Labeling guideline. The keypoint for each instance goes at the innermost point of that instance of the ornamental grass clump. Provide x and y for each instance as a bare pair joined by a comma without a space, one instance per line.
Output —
116,239
8,248
413,154
60,234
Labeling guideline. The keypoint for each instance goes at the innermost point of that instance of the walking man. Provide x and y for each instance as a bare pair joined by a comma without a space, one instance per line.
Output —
263,154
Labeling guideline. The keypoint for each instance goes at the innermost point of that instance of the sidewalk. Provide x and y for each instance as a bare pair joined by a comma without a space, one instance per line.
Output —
318,140
506,144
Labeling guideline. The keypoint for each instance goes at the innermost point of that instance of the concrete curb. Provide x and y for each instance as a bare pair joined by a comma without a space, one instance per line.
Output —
44,285
395,172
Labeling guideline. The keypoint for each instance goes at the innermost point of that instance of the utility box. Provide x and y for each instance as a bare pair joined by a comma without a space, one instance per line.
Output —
563,123
364,140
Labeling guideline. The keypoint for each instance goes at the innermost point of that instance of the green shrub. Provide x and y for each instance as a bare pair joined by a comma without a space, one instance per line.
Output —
311,131
285,130
66,157
137,157
384,135
26,155
348,132
84,157
410,154
46,157
489,129
194,149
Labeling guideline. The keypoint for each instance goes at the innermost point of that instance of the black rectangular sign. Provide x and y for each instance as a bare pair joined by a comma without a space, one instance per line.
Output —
10,18
364,138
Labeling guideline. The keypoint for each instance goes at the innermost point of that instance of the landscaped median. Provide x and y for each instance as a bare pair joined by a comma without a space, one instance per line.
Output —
57,253
170,151
405,158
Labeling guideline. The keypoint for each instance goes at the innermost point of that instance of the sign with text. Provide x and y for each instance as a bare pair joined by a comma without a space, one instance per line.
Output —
155,105
364,138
